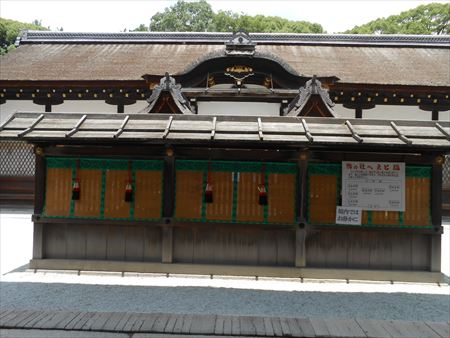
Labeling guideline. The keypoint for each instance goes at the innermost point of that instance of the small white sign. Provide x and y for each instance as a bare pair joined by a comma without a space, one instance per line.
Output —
348,215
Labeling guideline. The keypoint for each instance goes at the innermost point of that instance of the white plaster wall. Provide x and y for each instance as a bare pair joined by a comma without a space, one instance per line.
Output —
11,106
238,108
69,106
221,108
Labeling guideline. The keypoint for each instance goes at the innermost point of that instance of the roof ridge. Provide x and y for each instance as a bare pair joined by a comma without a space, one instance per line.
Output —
30,36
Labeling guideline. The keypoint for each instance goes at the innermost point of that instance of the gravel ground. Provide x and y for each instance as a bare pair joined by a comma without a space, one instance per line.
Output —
23,289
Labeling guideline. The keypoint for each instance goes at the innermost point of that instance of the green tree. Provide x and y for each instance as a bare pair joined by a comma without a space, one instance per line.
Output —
199,17
184,17
426,19
10,29
140,28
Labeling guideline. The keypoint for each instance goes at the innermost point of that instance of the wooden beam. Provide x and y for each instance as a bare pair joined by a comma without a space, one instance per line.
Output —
307,132
77,126
122,127
354,133
443,131
235,270
260,129
213,129
400,135
29,129
167,130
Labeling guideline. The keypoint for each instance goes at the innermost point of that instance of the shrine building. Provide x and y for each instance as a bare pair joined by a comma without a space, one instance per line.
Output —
286,155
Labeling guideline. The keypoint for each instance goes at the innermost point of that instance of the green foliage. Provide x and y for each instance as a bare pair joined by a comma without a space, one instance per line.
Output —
184,17
140,28
426,19
199,17
10,29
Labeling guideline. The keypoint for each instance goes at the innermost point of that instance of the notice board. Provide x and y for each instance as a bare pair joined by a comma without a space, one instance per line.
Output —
373,185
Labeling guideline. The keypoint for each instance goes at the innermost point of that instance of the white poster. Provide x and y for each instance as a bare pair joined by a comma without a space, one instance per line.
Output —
373,185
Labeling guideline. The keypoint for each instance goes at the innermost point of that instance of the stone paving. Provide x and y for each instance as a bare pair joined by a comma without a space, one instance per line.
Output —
213,325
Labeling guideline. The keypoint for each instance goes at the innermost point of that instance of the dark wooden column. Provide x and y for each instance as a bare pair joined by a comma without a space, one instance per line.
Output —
436,213
39,195
120,108
300,231
435,114
48,108
168,206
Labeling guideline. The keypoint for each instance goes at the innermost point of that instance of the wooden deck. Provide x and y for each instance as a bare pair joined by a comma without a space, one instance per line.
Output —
190,324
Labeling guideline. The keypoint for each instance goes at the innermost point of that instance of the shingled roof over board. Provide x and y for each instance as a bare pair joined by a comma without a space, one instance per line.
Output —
385,60
232,130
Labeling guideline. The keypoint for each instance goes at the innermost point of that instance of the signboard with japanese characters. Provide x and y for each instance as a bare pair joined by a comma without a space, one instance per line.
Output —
373,185
348,215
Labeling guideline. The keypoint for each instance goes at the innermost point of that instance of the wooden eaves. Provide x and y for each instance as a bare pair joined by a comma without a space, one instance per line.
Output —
78,128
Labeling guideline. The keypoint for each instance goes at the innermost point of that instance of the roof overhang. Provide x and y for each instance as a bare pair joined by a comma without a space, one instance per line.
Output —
231,131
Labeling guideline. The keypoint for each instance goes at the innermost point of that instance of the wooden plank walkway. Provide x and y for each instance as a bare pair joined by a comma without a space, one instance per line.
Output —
219,324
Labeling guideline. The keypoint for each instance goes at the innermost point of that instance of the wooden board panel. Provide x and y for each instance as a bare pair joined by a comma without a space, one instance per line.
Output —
90,193
115,204
222,206
417,210
76,245
58,191
189,194
281,194
55,241
134,243
152,244
183,245
115,249
386,217
148,195
96,242
248,208
322,198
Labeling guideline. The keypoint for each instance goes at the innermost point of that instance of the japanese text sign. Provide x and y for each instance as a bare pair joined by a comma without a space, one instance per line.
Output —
348,215
373,185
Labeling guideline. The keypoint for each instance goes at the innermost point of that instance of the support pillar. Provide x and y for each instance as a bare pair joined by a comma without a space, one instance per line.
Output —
167,244
168,206
300,231
39,193
436,213
300,246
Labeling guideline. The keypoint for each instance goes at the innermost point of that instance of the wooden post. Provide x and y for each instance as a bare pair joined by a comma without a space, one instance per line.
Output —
436,213
167,244
300,246
435,254
436,192
435,114
358,112
120,109
39,195
300,231
169,187
48,108
168,207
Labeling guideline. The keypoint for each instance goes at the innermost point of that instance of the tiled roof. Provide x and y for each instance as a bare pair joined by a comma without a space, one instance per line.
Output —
220,38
